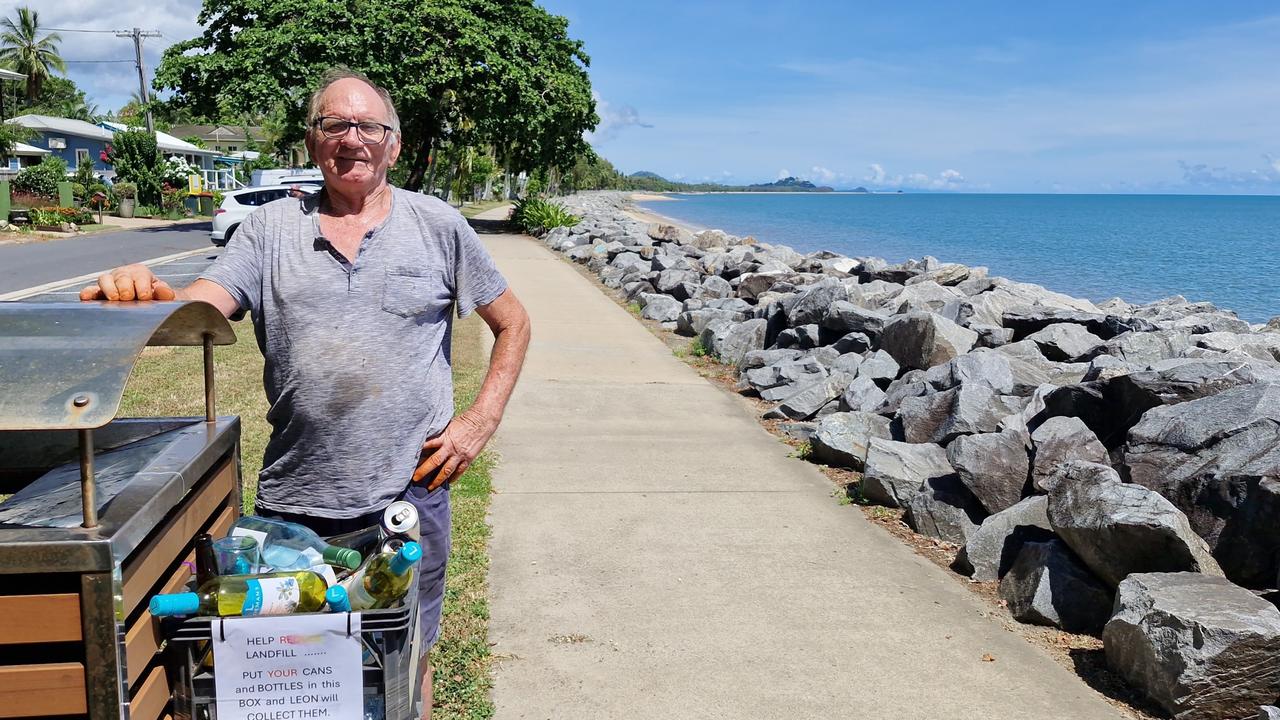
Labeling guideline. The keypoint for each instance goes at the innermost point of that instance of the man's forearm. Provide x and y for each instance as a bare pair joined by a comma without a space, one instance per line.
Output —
510,343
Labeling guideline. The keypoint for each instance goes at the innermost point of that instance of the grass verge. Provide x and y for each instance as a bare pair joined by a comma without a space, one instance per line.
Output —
472,209
169,382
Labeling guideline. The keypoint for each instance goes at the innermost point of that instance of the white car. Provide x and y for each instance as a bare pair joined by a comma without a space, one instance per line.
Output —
237,204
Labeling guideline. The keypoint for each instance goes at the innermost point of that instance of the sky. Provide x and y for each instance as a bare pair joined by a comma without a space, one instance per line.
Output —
1082,97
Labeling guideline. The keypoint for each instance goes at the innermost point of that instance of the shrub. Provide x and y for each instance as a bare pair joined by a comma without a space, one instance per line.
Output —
85,175
125,190
536,216
59,215
171,199
42,179
78,190
176,171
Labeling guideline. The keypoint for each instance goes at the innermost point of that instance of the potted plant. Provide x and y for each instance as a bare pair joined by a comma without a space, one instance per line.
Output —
127,192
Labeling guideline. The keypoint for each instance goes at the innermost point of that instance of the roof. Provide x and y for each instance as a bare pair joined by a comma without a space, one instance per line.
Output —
66,126
220,133
164,140
104,131
25,149
11,75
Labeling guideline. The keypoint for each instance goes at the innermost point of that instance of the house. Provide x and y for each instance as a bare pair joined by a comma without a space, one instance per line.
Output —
230,140
22,156
78,142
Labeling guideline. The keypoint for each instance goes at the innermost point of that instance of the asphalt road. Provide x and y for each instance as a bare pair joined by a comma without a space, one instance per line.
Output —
36,263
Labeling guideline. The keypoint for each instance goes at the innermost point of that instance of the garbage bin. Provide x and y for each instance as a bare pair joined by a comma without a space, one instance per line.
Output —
102,511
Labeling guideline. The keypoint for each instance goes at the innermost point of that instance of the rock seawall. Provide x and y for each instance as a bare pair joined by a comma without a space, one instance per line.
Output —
1073,444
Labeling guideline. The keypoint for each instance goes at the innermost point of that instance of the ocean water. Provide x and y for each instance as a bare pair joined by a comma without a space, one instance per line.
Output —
1225,250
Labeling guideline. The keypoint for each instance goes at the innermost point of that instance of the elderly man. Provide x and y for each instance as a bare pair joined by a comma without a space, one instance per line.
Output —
352,291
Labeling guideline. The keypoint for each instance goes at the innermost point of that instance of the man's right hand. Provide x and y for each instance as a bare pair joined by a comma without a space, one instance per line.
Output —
131,282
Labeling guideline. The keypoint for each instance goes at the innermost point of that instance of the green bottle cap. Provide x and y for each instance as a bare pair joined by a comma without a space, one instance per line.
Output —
187,603
346,557
408,556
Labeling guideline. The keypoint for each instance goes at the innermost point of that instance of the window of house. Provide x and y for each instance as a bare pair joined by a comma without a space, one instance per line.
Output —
82,157
13,163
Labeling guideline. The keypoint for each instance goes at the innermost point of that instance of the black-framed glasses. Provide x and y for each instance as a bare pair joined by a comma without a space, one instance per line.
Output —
369,132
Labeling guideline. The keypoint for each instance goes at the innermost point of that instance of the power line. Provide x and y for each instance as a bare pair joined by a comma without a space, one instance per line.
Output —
98,61
81,30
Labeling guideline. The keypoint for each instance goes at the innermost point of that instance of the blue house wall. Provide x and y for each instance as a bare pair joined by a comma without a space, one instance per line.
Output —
74,142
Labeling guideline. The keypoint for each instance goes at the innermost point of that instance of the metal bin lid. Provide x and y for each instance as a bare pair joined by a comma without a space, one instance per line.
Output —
63,366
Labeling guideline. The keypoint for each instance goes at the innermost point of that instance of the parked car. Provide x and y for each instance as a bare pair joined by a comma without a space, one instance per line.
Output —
237,204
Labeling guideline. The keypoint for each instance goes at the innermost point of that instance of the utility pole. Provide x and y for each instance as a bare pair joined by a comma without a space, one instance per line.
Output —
138,34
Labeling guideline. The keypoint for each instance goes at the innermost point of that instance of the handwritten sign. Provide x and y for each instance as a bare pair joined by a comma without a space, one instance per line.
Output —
291,667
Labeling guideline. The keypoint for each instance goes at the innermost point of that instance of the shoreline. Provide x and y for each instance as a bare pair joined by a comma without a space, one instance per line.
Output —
1064,254
935,394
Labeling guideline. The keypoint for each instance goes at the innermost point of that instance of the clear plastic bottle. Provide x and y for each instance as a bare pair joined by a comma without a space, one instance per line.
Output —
290,546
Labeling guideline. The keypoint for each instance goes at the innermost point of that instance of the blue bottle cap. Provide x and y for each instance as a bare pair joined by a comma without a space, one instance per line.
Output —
408,556
336,596
187,603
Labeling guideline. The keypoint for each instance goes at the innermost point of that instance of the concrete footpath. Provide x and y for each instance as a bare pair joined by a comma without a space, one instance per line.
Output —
657,554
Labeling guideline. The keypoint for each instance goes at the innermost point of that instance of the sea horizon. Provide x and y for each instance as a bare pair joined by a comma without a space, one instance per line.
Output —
1138,247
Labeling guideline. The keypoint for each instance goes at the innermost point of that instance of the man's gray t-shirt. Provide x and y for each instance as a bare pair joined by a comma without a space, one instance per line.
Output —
357,355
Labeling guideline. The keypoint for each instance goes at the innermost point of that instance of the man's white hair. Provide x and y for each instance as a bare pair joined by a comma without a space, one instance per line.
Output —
340,72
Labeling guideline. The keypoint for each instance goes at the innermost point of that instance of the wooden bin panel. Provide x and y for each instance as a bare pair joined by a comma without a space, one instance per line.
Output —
39,618
42,690
142,641
150,699
151,561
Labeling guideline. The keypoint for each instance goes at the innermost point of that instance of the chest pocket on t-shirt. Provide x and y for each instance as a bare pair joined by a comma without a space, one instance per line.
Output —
418,294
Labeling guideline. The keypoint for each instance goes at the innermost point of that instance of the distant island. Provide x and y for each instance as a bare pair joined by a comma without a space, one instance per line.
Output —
594,172
653,182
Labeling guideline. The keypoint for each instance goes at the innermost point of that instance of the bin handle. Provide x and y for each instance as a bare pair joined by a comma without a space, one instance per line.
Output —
222,631
348,624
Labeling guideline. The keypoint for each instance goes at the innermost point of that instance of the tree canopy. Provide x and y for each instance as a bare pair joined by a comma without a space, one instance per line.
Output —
24,50
501,73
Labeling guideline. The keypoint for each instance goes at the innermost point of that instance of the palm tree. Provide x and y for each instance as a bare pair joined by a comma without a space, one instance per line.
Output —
26,52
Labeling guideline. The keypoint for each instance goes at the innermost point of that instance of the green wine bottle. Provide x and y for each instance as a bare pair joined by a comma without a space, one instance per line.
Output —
281,593
384,579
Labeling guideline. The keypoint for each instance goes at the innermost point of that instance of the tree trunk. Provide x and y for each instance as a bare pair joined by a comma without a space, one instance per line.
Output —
419,155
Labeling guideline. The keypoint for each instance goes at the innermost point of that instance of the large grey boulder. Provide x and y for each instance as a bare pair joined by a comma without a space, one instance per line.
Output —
992,549
976,368
815,300
1119,528
811,397
1268,712
1200,647
944,509
662,308
1065,342
844,317
862,394
923,339
1248,548
965,410
783,372
1194,452
994,466
691,323
1048,585
880,367
670,233
1058,441
729,342
842,439
1144,348
894,471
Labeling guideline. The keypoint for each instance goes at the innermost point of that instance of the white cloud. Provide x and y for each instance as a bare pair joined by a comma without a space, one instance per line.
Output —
110,84
614,118
822,174
784,174
1202,175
